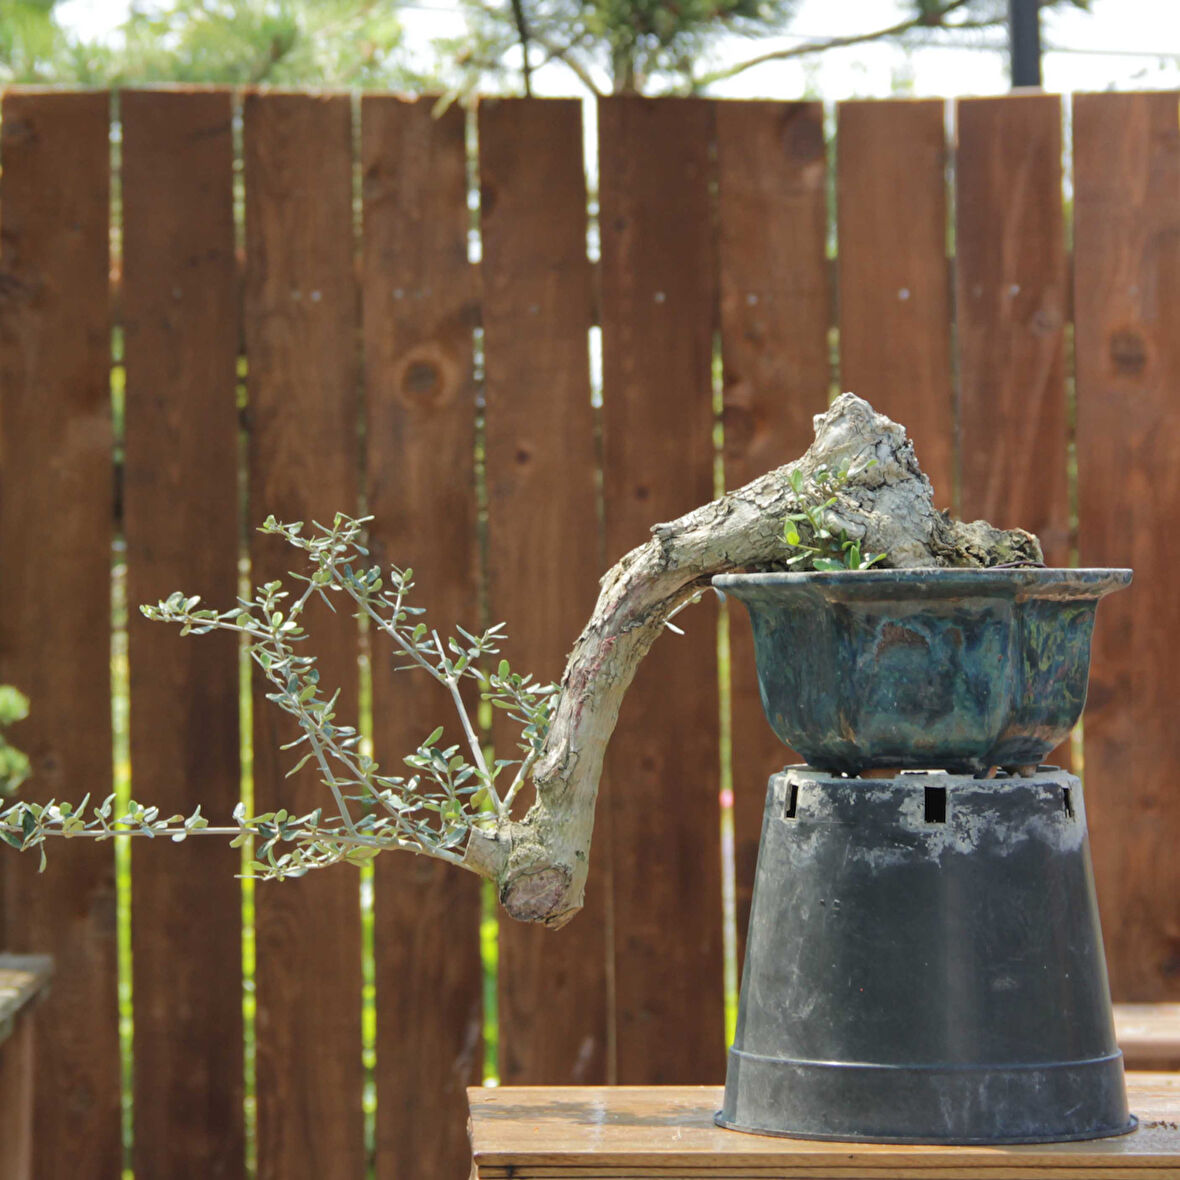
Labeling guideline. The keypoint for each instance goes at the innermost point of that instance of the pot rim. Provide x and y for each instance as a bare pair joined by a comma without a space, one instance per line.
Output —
1014,581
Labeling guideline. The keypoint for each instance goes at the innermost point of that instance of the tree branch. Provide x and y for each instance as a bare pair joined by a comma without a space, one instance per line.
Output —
923,20
563,54
522,31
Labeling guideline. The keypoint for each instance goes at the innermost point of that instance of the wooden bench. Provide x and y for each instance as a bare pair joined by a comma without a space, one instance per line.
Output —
642,1132
1149,1035
23,978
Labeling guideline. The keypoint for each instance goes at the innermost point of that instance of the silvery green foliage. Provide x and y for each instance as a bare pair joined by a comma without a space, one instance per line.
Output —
449,788
822,544
28,825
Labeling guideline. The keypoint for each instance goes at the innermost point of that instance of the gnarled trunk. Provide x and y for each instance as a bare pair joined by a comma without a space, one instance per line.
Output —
540,863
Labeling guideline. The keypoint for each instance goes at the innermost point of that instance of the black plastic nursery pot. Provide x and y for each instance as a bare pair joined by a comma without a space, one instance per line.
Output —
924,960
924,964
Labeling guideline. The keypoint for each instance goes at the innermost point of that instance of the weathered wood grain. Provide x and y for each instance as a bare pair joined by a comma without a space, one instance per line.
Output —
636,1131
1011,298
658,274
894,288
180,325
1127,287
421,490
301,342
543,529
1012,295
775,311
1149,1035
17,1083
24,980
55,598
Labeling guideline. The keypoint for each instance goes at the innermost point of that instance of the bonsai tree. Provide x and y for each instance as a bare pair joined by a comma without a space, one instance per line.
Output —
856,498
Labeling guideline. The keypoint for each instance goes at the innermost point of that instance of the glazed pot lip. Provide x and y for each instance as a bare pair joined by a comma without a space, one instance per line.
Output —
1004,582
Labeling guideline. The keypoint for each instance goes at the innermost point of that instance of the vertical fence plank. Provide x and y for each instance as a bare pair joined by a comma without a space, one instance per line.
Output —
55,604
543,554
1011,275
895,300
658,319
17,1082
1011,282
301,329
418,318
180,328
1127,298
775,309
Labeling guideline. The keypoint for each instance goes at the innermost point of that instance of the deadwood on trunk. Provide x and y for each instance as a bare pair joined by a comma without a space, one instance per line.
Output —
539,864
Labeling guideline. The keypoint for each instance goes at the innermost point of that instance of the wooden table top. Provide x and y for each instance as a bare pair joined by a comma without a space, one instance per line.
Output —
22,979
1149,1035
609,1132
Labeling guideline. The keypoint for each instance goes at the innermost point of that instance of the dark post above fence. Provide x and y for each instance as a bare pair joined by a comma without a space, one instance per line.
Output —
1024,38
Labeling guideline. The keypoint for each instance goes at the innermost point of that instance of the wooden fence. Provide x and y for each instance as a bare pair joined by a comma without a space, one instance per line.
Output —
1039,390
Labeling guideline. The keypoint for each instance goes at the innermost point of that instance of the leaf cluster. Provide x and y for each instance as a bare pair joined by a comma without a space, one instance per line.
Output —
26,825
819,543
447,789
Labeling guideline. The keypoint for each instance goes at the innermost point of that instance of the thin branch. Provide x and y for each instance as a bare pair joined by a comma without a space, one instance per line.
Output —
520,779
553,51
562,53
472,740
345,814
308,836
923,20
449,681
522,31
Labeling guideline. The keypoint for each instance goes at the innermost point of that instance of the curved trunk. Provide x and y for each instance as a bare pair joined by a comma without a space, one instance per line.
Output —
540,863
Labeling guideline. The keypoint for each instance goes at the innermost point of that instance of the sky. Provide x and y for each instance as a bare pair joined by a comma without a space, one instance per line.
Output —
1116,46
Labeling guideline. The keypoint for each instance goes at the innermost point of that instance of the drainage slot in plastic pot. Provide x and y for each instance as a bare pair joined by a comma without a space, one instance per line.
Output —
936,805
792,802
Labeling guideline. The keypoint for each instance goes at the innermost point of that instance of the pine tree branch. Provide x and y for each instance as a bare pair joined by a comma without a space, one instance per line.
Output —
932,19
522,32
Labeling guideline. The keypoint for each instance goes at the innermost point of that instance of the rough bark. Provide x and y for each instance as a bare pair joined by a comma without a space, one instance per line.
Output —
540,863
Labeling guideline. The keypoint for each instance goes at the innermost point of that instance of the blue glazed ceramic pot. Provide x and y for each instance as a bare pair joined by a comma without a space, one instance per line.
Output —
960,669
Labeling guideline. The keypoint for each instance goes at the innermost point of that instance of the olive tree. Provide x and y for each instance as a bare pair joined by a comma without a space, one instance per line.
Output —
858,490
